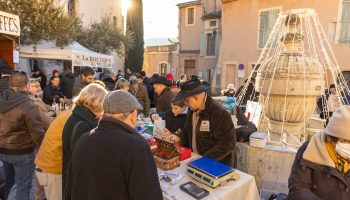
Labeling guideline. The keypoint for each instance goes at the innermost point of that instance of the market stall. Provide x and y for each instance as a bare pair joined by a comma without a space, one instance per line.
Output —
177,166
9,38
244,188
75,52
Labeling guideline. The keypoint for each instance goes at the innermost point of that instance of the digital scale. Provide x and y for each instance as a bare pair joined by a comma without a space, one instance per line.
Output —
211,172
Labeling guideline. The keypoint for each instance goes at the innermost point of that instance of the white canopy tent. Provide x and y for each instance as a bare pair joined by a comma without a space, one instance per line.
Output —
78,54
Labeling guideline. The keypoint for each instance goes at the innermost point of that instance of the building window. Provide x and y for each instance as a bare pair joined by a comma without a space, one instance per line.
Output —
70,5
212,23
267,21
190,16
210,44
115,20
345,23
190,64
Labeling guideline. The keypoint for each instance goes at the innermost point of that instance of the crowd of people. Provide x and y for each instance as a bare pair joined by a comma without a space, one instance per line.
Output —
92,150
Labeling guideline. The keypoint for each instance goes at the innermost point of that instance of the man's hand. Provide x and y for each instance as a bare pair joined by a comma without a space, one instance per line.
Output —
61,100
154,117
165,133
173,138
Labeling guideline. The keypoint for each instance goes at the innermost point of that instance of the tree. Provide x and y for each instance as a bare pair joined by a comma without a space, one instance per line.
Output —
104,37
134,25
43,20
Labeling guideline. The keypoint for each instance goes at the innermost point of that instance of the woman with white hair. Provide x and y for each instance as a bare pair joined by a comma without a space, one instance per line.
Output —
84,118
230,91
122,84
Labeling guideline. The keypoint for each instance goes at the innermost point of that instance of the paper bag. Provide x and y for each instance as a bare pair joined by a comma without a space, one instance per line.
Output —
159,125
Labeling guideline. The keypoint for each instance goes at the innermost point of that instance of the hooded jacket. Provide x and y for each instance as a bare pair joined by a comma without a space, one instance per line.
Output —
215,133
21,128
314,175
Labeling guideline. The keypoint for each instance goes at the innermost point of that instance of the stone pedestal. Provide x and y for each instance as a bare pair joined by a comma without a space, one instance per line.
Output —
270,166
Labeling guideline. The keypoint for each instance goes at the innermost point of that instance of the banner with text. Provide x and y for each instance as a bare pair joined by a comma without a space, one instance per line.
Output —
9,24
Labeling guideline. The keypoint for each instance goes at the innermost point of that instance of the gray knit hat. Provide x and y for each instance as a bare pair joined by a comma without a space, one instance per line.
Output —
120,101
339,123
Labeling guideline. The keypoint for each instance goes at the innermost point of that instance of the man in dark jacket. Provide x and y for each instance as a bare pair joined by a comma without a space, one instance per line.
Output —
109,79
113,161
209,129
321,167
5,78
21,131
164,94
140,92
67,82
247,92
86,77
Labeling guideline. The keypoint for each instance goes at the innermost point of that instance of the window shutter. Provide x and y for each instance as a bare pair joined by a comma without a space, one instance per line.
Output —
217,43
203,44
345,23
263,28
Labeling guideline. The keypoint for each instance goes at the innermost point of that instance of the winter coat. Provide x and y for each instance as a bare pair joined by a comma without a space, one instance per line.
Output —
4,83
110,83
226,93
172,123
164,100
142,97
21,129
217,140
314,175
67,84
113,162
333,103
250,94
82,120
79,84
52,93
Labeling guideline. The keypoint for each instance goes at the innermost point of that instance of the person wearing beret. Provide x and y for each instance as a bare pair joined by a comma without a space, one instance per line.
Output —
164,94
209,130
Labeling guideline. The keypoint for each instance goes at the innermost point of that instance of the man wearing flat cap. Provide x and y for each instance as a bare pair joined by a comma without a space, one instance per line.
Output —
165,96
209,129
113,161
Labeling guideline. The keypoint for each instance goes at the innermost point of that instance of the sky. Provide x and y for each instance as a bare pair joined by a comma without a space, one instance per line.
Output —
160,18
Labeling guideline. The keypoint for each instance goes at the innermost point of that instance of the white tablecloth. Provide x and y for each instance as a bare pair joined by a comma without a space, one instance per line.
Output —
242,189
